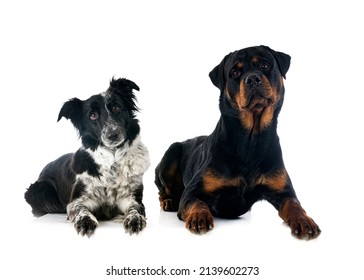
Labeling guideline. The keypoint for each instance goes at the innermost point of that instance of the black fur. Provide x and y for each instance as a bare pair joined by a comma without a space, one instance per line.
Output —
108,127
240,162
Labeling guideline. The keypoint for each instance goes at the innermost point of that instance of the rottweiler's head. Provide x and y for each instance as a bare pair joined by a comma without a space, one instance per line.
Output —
251,85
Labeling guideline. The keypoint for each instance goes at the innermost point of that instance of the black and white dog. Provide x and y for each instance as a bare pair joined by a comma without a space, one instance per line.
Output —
103,179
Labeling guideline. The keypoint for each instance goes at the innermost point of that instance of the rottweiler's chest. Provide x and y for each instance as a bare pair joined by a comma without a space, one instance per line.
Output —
229,197
232,196
213,181
275,179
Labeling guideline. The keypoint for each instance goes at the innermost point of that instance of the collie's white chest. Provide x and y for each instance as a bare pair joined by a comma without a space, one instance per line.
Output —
120,171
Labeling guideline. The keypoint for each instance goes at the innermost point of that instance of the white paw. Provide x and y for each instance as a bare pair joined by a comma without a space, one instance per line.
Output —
134,222
85,225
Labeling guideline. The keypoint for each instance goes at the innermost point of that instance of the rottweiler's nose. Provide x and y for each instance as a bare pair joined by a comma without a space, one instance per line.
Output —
253,80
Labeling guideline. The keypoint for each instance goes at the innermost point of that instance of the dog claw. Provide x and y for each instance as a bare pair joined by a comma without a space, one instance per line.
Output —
134,223
200,222
169,205
85,226
305,228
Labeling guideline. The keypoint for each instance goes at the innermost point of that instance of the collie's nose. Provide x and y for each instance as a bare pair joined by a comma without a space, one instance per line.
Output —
113,135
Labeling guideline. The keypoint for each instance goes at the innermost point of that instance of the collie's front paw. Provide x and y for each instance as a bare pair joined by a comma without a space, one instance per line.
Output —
85,225
134,222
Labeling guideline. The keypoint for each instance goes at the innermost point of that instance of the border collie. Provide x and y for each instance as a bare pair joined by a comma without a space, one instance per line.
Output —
103,179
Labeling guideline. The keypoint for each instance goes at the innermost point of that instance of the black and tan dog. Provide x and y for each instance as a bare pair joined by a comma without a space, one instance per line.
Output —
225,173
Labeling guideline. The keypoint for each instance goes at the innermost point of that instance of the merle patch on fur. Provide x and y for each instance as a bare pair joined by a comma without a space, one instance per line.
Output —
103,179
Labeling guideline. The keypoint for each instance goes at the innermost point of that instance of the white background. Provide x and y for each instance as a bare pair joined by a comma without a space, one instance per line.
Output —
53,51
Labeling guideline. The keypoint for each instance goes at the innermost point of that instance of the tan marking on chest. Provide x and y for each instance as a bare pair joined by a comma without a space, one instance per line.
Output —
213,182
276,181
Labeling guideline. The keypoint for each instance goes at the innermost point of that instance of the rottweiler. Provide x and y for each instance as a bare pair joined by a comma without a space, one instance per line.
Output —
240,162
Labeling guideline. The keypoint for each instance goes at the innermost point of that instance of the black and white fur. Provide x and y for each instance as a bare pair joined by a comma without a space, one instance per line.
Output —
103,179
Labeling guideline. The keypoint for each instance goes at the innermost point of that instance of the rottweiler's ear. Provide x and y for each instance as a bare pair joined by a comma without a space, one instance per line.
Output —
283,61
217,75
72,109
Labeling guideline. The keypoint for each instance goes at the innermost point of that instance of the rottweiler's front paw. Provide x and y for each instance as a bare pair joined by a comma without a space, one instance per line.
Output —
304,227
199,221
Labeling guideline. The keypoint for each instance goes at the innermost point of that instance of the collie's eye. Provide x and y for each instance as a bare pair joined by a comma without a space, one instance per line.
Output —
235,73
94,116
116,108
265,66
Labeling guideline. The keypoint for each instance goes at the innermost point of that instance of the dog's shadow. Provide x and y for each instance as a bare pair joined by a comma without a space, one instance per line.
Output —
169,220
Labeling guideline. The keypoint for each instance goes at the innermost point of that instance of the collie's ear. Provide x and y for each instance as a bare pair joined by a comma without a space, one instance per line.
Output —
72,110
124,88
123,85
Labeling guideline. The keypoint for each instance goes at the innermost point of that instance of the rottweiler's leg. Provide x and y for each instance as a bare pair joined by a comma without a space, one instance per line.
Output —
168,178
281,195
302,226
195,213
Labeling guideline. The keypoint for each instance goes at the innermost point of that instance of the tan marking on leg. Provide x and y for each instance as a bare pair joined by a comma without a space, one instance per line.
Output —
302,226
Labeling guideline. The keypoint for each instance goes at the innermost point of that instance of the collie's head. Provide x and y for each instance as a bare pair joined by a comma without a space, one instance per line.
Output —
106,119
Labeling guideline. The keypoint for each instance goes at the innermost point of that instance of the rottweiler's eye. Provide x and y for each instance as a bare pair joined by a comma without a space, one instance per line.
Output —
116,108
235,73
94,116
265,66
